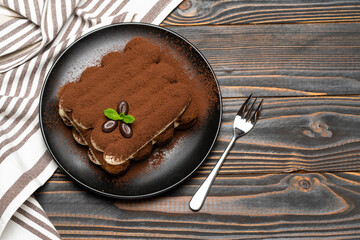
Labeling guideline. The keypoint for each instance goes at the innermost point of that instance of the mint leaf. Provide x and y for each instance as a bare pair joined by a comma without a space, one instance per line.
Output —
128,119
121,115
112,114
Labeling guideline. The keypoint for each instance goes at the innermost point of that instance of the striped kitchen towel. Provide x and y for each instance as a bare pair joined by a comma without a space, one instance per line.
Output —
32,35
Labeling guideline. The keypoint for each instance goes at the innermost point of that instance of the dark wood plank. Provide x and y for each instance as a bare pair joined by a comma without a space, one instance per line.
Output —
297,205
205,12
281,60
308,133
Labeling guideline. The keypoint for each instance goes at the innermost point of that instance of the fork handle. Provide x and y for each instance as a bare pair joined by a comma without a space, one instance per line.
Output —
199,197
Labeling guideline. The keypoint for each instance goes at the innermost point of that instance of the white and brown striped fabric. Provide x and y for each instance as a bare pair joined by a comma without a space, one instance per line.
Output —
32,34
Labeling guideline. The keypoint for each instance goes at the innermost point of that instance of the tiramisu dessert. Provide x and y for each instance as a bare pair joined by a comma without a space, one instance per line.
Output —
134,100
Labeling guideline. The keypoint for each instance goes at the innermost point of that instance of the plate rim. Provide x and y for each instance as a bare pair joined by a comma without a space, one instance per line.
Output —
111,195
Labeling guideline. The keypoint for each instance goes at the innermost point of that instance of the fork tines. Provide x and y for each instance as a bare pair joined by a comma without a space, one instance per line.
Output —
253,117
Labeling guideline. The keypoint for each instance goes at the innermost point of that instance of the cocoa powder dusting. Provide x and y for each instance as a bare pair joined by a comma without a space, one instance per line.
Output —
153,82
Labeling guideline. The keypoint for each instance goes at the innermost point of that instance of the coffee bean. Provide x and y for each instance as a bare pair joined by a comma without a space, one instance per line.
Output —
109,126
125,130
123,107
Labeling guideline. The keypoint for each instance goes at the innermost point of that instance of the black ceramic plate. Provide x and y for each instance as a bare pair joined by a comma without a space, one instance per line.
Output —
168,166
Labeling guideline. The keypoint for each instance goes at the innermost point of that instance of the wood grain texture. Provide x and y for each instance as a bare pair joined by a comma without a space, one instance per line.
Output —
293,134
205,12
281,60
245,206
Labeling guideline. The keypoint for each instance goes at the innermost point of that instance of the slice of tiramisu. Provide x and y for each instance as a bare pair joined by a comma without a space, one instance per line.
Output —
125,106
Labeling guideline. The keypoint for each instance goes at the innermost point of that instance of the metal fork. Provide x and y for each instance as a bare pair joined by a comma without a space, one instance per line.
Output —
243,123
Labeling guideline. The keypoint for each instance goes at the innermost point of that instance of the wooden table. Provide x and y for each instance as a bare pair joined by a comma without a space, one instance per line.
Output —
297,174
